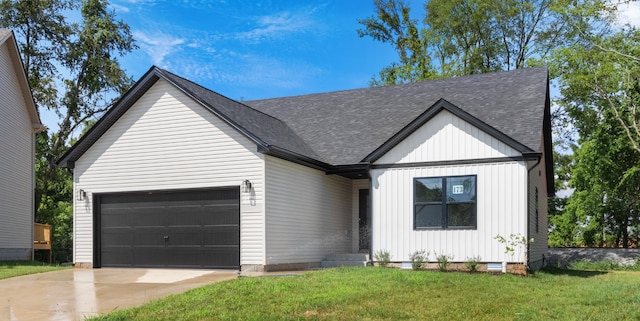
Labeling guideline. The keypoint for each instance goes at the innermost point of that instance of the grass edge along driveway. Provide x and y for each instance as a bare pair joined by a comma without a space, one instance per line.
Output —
391,294
9,269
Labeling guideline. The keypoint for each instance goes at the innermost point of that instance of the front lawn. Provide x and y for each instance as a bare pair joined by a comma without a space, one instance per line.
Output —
9,269
392,294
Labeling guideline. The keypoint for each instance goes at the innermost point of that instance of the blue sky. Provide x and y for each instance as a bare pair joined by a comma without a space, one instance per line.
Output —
255,49
259,49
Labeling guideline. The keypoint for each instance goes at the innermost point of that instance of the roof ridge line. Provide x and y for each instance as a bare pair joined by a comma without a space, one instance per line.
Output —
221,95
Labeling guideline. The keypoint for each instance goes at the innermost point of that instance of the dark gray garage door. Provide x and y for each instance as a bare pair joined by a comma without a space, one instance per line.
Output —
185,229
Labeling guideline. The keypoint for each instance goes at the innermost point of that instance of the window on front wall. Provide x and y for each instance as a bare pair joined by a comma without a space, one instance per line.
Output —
444,202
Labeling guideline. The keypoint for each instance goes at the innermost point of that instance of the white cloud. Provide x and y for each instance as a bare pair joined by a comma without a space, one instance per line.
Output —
157,45
629,13
119,8
278,25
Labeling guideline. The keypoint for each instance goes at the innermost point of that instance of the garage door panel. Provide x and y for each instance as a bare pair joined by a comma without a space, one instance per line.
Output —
221,215
185,215
202,229
149,257
221,256
149,237
185,236
118,257
116,237
222,235
149,216
114,215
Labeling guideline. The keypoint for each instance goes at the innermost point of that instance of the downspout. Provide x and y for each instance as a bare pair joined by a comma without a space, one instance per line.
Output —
370,201
529,207
36,128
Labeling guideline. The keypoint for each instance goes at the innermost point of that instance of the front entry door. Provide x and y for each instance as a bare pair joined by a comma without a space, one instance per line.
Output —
364,220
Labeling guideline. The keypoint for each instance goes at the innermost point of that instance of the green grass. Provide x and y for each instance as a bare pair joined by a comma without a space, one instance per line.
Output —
393,294
9,269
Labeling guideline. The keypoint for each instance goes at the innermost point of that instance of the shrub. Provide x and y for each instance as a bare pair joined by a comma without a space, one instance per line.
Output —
472,263
383,257
443,262
418,258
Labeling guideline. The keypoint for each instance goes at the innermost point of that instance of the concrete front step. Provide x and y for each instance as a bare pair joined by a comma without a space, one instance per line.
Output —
330,264
345,259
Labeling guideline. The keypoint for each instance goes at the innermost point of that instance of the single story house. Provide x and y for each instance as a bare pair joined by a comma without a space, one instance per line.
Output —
19,121
176,175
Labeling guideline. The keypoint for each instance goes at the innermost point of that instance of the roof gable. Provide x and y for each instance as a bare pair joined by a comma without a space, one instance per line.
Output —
7,39
267,132
430,113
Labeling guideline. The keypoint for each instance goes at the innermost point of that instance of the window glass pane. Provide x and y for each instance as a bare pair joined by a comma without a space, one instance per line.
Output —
462,215
428,190
428,215
461,189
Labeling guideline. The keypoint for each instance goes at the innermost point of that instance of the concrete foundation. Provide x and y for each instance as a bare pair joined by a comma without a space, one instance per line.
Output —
15,254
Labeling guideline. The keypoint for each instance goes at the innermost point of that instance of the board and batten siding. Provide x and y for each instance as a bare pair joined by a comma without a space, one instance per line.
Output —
538,248
501,193
446,137
17,170
167,141
308,213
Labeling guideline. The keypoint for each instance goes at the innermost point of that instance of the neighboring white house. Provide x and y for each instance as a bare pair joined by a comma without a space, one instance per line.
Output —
19,121
176,175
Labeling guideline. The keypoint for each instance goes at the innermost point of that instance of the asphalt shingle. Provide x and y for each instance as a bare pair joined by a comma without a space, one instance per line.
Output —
344,127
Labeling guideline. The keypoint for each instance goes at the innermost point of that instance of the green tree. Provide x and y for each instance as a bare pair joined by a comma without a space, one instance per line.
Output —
463,37
393,24
598,80
73,70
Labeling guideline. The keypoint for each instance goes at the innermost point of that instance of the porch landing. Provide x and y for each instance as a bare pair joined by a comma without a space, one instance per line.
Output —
345,259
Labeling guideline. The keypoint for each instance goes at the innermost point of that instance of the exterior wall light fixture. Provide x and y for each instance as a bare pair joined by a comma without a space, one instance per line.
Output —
246,186
81,195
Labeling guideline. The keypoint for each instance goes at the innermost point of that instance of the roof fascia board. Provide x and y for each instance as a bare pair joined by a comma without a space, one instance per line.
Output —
215,111
443,104
108,119
25,89
290,156
548,144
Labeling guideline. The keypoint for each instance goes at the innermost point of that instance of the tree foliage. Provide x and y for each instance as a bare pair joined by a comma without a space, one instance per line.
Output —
73,69
463,37
598,80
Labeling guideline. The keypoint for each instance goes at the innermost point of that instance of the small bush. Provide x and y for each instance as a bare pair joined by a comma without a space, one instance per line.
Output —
605,265
418,258
383,257
472,263
443,262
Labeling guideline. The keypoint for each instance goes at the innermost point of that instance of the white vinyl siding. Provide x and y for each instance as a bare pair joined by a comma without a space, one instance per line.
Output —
501,192
308,213
446,137
17,170
538,178
167,141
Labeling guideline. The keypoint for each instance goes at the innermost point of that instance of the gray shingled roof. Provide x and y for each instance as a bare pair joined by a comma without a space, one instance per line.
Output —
264,127
344,127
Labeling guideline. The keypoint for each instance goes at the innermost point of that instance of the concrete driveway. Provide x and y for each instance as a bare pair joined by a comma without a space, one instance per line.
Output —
78,293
